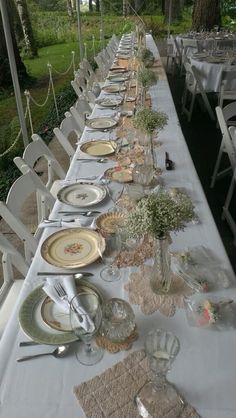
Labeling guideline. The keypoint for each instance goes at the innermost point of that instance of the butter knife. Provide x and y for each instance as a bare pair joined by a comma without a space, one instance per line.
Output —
65,273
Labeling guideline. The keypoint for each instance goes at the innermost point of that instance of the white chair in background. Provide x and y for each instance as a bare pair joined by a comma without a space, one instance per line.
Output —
35,151
226,208
178,53
227,145
189,47
171,56
11,286
68,128
193,88
227,85
26,186
80,87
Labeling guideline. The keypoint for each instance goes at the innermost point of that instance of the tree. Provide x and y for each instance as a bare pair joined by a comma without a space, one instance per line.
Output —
5,74
30,43
206,14
176,9
90,5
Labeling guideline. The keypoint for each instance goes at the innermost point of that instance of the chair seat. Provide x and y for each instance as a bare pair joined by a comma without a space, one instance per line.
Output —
9,303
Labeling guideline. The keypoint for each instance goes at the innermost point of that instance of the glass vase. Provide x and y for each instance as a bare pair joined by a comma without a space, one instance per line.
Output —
161,274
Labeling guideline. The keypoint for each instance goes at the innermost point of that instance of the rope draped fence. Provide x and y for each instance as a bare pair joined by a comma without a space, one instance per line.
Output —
30,99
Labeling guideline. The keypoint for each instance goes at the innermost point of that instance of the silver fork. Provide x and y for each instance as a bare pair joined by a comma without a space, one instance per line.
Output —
63,296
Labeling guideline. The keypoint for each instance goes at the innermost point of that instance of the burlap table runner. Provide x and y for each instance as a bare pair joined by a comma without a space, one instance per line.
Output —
140,293
112,393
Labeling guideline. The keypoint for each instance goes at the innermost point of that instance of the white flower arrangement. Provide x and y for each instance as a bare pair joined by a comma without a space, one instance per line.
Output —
147,77
147,120
158,214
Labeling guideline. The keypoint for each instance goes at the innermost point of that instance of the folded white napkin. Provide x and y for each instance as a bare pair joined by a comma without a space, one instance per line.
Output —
68,284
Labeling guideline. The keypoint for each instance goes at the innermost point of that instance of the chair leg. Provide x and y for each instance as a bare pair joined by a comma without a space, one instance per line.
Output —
217,165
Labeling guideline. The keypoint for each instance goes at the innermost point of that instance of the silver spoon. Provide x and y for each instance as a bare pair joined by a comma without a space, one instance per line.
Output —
57,353
98,160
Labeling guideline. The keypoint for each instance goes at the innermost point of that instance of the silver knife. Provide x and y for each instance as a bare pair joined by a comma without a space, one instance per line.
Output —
93,212
65,273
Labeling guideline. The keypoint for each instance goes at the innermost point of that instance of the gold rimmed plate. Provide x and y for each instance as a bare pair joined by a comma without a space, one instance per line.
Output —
109,102
72,248
101,123
82,194
119,174
56,318
114,88
108,222
99,148
35,327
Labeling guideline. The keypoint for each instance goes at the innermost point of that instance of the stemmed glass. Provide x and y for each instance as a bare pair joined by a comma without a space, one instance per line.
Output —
112,249
87,353
158,397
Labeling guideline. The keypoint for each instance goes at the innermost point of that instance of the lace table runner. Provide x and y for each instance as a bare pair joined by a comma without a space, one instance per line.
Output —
137,256
112,393
140,293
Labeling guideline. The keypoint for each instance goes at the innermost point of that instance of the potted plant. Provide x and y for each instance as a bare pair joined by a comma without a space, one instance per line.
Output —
148,120
157,215
146,57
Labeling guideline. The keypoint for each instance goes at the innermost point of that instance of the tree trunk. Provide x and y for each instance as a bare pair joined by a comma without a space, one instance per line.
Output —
176,13
98,6
5,73
90,5
30,43
206,14
69,9
138,5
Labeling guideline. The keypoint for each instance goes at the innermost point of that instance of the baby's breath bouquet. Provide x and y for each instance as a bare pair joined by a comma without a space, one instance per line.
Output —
146,56
147,78
147,120
158,214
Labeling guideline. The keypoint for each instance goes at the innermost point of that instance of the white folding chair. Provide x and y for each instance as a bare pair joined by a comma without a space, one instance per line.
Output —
227,85
171,56
189,47
36,151
178,53
193,88
227,146
226,215
10,289
26,187
80,87
69,129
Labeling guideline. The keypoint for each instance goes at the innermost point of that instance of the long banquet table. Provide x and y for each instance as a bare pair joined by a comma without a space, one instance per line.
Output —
205,369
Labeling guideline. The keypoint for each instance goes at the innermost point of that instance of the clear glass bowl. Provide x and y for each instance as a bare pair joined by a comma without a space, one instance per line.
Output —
118,320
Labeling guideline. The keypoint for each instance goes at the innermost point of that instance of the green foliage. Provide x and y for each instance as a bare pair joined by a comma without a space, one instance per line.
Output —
7,136
65,99
8,176
147,77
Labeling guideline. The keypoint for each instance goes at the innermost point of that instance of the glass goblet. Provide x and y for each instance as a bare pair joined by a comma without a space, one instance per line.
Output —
112,249
157,397
85,307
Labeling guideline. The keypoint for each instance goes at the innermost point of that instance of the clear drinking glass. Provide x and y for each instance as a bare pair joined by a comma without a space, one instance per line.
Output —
87,353
158,398
112,249
118,321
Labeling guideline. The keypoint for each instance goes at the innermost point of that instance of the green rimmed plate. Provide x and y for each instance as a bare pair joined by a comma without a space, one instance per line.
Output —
33,325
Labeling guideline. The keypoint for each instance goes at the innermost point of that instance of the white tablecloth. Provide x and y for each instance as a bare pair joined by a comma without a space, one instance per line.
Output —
204,370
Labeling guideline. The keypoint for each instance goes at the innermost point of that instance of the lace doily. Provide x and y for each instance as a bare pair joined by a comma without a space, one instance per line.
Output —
137,256
140,293
111,394
113,347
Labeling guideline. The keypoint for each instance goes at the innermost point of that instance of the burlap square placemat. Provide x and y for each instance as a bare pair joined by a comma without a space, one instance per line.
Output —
112,393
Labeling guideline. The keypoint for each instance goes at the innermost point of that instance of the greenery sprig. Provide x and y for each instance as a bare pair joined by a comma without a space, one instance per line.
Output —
159,213
147,120
146,56
147,77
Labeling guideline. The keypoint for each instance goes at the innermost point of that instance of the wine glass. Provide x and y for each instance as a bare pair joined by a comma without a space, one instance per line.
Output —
85,307
112,249
161,348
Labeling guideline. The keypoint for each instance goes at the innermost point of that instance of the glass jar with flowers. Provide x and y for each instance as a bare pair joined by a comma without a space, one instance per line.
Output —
146,57
157,215
145,79
147,121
